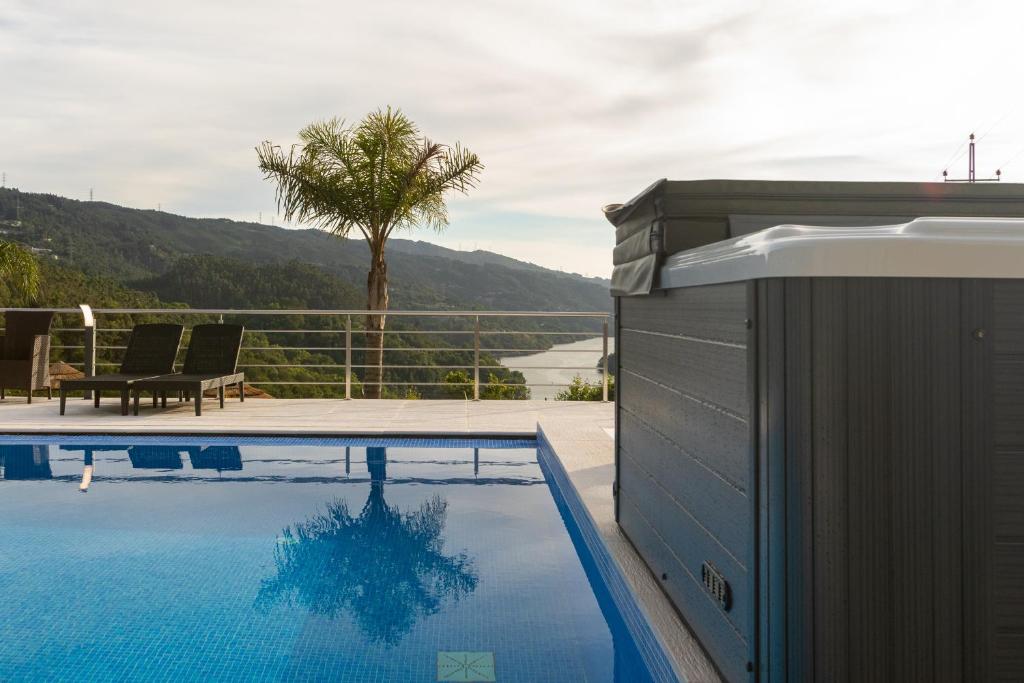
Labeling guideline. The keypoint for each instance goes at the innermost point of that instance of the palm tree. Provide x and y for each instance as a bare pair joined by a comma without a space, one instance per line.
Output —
372,178
19,268
385,567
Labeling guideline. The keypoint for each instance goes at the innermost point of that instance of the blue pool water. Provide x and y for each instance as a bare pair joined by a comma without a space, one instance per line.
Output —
254,559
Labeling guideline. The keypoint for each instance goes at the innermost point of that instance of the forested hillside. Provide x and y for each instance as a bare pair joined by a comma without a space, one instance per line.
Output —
111,256
132,244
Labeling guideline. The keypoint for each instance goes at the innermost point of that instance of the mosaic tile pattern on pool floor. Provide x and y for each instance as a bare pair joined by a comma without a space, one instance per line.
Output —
289,569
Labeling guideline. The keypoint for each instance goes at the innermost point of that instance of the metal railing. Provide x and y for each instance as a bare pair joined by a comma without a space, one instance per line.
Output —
97,338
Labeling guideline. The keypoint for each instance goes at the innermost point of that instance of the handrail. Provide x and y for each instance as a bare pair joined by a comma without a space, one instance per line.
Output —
91,329
325,311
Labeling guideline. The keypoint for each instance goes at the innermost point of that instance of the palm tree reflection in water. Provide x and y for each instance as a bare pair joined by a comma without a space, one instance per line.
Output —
385,567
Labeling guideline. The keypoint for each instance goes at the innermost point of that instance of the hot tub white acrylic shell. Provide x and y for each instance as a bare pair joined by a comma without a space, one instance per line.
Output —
925,247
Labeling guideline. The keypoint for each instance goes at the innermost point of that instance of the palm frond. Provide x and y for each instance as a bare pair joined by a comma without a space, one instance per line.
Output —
376,176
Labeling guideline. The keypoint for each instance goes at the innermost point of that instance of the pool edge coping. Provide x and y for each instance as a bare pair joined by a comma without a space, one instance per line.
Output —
652,649
585,454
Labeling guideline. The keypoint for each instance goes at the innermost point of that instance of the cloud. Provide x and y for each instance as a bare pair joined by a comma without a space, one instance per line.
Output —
571,105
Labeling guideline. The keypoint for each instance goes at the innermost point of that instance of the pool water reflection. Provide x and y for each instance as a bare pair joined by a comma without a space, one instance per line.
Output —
263,560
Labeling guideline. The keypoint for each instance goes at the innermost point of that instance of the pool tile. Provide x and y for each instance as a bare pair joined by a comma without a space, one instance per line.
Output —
466,667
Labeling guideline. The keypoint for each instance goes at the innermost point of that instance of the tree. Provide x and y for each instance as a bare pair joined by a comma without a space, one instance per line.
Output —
372,178
19,268
385,567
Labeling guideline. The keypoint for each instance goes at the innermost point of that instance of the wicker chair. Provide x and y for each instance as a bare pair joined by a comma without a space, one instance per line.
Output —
25,352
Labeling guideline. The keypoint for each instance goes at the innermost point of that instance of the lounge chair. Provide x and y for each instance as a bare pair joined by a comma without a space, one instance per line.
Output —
156,457
151,351
25,352
220,458
211,362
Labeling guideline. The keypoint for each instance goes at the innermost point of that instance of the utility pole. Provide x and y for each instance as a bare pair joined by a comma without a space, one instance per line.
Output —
90,194
971,174
3,183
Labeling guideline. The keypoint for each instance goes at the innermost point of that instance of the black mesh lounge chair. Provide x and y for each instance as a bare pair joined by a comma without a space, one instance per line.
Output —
151,351
220,458
25,352
210,363
155,457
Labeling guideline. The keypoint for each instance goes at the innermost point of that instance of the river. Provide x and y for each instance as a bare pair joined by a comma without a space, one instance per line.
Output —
554,366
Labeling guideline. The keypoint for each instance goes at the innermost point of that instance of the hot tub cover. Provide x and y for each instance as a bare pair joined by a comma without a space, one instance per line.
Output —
637,241
925,247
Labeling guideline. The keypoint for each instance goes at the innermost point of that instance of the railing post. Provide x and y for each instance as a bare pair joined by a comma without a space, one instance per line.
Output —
604,362
476,360
88,344
348,357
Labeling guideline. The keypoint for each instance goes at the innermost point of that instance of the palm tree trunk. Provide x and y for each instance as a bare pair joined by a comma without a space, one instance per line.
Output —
376,300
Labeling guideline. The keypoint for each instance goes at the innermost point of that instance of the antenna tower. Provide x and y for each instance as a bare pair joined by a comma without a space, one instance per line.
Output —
971,174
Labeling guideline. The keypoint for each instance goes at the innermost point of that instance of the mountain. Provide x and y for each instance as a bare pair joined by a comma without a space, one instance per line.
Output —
139,246
116,257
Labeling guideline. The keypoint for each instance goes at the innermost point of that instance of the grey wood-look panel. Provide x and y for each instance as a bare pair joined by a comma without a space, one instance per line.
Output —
691,543
1008,653
1009,398
872,480
771,482
754,468
1009,575
725,645
869,504
683,454
1004,536
710,371
720,507
1008,496
1008,312
715,438
976,369
829,331
925,457
715,312
799,477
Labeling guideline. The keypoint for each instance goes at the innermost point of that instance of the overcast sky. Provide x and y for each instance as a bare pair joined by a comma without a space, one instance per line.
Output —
571,105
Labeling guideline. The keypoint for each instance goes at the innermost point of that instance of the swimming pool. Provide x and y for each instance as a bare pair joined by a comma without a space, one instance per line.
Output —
234,558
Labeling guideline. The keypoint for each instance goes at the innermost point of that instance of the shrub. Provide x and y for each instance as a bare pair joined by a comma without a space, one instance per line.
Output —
498,388
458,384
581,390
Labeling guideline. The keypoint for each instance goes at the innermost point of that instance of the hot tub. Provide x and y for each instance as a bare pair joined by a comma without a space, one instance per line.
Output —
820,448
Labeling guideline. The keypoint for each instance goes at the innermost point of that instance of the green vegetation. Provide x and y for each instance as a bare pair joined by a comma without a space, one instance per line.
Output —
131,245
581,390
115,257
372,179
18,269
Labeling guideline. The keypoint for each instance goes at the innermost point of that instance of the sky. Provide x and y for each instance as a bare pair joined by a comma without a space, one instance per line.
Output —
570,105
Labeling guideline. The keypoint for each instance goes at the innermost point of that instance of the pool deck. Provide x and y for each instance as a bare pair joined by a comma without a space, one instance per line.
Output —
581,433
